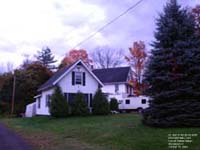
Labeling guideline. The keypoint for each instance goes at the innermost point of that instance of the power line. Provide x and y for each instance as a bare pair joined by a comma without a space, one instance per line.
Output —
81,22
107,24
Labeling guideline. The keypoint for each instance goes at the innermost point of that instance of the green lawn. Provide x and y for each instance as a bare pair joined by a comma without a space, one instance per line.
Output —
116,132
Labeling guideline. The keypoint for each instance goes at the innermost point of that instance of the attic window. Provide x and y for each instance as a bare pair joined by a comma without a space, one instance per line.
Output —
78,77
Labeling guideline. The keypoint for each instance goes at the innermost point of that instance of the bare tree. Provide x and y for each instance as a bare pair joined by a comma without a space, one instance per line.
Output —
9,66
106,57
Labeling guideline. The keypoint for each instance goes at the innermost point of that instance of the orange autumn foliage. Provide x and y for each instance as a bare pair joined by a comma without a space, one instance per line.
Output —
137,60
74,55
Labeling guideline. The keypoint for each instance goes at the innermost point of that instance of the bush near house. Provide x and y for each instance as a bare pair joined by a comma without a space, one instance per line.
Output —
58,105
100,104
113,104
79,106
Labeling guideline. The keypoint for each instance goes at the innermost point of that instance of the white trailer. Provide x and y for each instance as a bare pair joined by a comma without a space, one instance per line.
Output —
133,103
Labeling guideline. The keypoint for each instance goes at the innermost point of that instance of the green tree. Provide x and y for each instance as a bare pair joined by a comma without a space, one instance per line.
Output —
28,78
5,92
173,72
46,58
100,104
58,104
79,106
113,104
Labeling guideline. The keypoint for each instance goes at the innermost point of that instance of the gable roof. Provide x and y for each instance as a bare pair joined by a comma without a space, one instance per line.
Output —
61,73
112,75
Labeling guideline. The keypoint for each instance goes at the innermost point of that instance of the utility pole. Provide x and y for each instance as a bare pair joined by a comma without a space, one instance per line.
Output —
13,95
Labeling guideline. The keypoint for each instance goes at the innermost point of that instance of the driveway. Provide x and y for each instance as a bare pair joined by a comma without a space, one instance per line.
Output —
10,141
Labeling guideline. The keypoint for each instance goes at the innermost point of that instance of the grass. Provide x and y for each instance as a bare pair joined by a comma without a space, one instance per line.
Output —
116,132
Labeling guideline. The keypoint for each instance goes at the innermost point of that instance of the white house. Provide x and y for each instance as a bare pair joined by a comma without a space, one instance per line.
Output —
72,79
77,77
116,81
116,85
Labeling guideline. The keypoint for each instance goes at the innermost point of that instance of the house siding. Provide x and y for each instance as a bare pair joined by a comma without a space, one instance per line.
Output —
110,88
90,87
43,110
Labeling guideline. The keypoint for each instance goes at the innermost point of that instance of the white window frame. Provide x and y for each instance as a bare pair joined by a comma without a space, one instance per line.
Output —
75,77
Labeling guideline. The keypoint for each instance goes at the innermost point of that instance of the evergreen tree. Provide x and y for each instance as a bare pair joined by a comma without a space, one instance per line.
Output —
58,104
100,104
79,106
46,58
173,72
113,104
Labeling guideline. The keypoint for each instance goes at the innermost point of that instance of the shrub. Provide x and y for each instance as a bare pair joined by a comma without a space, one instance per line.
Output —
113,104
58,105
79,106
100,104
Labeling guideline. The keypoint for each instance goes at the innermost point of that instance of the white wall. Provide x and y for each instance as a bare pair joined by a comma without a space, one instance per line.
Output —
110,88
91,86
43,110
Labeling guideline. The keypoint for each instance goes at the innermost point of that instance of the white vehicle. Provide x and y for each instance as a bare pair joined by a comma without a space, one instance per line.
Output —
134,103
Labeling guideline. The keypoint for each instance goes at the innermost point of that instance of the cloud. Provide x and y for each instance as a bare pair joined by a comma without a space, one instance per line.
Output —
27,26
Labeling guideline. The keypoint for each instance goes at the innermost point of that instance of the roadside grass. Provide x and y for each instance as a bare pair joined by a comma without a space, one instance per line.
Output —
114,132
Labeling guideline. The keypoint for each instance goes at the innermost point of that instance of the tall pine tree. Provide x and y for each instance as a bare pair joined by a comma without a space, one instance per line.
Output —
46,58
173,71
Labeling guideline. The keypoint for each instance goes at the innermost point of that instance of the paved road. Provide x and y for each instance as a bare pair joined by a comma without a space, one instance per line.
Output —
11,141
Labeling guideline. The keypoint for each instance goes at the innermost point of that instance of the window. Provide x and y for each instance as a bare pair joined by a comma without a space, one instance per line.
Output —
120,101
66,96
144,101
127,101
116,88
71,97
86,99
48,100
39,101
78,77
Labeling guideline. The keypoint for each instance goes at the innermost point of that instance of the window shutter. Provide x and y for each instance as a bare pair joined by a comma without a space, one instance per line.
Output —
73,77
83,78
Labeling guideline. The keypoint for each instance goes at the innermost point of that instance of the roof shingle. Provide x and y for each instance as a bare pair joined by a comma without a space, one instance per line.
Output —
111,75
49,83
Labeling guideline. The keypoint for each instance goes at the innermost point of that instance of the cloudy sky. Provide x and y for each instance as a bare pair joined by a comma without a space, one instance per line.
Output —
28,25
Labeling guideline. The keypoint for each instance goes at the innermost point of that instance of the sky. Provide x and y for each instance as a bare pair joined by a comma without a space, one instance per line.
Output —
26,26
